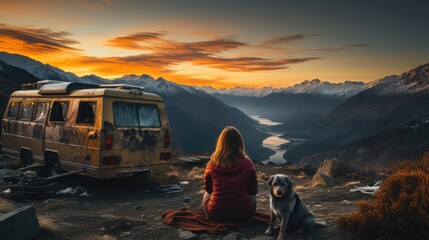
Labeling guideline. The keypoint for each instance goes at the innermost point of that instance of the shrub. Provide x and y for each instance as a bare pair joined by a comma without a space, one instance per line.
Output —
399,210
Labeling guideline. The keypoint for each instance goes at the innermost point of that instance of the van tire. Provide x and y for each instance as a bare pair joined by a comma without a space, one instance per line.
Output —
26,158
53,166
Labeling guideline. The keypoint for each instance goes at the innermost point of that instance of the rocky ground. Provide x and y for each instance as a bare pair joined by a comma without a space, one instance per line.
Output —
131,208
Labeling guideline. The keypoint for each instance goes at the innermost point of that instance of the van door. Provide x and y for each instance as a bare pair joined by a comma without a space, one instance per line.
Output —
86,135
137,132
57,138
38,125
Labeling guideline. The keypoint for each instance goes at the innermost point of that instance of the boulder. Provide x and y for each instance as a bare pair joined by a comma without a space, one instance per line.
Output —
262,238
186,235
334,168
322,179
21,223
232,236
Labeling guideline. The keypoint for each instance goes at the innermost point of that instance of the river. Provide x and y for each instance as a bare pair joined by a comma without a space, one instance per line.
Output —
272,142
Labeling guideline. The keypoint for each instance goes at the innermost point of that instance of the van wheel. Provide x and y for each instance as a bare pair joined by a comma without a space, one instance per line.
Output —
26,158
53,166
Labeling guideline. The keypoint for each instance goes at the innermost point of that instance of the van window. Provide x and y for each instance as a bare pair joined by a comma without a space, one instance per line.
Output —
59,112
41,111
13,109
148,116
27,110
86,112
136,115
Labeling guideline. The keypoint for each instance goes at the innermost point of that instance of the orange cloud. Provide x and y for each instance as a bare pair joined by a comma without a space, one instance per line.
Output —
281,40
40,39
164,53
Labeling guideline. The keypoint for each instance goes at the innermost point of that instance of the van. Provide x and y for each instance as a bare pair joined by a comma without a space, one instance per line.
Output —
107,131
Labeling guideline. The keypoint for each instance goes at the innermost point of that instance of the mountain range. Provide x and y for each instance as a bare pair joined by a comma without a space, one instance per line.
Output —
354,121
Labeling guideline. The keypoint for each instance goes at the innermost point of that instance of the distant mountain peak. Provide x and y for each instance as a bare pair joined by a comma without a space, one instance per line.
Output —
135,77
318,87
36,68
412,81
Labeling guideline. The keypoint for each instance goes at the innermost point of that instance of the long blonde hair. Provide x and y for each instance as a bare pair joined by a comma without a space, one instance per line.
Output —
229,147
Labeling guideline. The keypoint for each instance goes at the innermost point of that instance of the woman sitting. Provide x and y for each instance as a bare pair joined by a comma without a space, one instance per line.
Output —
230,180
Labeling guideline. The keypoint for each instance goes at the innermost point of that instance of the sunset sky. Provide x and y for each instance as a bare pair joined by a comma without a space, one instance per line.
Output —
221,43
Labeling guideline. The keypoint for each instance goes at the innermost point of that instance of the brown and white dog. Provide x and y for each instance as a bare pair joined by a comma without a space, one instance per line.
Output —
287,206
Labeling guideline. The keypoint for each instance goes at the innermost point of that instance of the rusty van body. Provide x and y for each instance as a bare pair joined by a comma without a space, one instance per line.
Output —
110,130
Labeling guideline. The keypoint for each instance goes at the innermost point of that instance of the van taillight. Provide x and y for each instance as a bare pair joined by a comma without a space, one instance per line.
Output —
167,139
112,160
109,141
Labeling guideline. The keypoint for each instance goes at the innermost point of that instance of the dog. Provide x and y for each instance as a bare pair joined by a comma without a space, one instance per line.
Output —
287,206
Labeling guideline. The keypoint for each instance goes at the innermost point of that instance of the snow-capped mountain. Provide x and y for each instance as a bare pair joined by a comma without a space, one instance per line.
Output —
240,91
36,68
413,81
94,79
345,89
313,87
159,85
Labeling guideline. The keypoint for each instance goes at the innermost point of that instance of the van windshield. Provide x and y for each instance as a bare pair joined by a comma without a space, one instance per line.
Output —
136,115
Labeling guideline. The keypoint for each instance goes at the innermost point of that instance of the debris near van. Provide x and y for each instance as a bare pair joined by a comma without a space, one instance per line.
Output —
77,190
197,160
27,184
169,190
367,189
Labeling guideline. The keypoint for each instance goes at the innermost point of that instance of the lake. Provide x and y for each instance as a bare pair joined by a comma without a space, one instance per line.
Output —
272,142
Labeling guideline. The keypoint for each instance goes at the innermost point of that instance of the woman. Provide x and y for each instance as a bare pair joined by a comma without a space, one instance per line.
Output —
230,180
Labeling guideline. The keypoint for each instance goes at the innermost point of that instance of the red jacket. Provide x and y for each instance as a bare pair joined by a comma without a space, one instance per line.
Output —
230,189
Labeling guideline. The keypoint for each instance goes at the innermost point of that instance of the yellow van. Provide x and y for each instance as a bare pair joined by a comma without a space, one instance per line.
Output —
109,131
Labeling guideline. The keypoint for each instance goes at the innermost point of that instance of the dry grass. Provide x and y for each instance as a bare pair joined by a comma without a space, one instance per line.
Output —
49,225
400,209
6,205
263,176
104,237
196,173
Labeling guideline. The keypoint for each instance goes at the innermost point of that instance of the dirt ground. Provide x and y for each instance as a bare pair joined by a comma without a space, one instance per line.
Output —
131,208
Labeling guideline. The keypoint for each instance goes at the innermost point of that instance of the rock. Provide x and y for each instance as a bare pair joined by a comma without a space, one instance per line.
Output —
307,169
21,223
186,200
232,236
138,207
262,238
322,179
125,234
334,168
186,235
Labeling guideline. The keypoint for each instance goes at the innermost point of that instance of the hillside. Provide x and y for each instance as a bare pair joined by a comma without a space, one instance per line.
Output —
11,79
389,103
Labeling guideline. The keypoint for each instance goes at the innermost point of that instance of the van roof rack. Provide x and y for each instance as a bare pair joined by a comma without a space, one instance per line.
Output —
64,87
47,87
38,84
122,86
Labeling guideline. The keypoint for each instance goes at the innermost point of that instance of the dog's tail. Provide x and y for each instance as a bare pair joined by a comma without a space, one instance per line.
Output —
320,224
